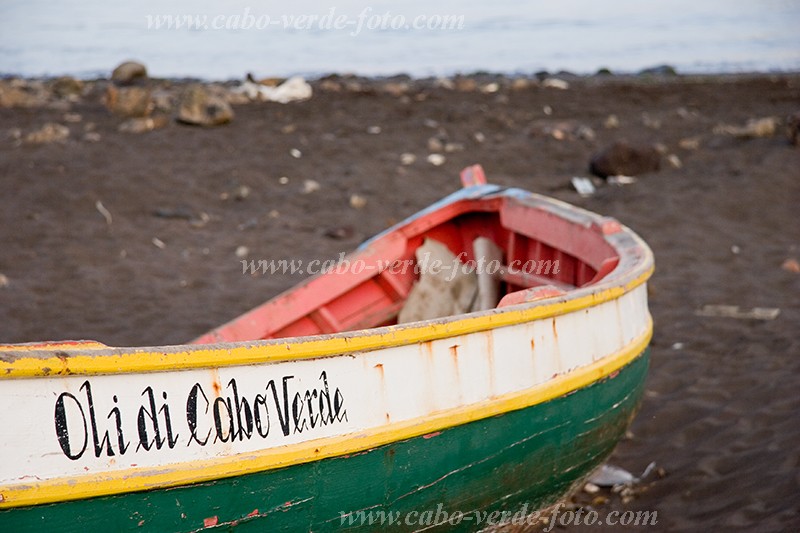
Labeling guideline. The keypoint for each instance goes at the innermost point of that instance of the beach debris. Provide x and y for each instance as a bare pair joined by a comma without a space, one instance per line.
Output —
791,265
197,106
295,89
753,128
310,186
607,475
591,488
67,87
435,144
4,281
689,143
158,243
793,124
443,288
734,311
436,160
50,132
294,152
555,83
583,186
103,211
621,180
407,158
674,161
142,124
611,122
623,158
129,101
242,252
357,201
129,72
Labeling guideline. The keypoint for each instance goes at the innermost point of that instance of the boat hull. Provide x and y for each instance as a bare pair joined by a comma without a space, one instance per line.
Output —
522,459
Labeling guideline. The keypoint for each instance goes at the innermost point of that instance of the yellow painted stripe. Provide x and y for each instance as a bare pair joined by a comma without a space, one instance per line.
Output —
80,487
126,360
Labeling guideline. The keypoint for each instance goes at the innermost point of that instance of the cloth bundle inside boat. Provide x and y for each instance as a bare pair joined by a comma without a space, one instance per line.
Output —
447,286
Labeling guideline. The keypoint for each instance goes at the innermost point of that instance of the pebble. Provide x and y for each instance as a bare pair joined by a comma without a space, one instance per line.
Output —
310,186
357,201
436,160
453,147
591,488
555,83
241,193
129,72
129,101
479,137
490,88
91,136
67,87
623,158
198,107
242,251
674,161
142,124
158,243
689,143
72,117
611,122
374,130
547,110
791,265
407,158
283,180
435,144
294,152
4,281
50,132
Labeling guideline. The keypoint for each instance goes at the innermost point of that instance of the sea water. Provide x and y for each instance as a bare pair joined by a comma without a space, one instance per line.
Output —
222,40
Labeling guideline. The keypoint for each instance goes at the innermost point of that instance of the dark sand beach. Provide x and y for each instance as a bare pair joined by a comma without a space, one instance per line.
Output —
156,262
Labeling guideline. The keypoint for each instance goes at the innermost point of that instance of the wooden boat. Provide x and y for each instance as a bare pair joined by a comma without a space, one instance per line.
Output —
317,411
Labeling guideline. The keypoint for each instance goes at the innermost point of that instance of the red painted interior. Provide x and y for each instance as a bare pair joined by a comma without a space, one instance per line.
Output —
346,301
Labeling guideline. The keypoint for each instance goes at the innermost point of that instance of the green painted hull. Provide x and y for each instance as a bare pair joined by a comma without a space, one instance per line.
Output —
530,456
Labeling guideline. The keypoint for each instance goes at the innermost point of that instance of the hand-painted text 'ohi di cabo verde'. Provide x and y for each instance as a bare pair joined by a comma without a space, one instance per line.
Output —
81,423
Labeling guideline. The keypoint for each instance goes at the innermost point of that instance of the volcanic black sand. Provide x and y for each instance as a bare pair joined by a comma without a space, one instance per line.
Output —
156,261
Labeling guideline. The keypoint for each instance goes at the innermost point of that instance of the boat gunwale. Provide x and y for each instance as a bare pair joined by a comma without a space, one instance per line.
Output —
634,268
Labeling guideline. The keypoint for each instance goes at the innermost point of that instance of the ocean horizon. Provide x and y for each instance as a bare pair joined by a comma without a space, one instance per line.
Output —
201,39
